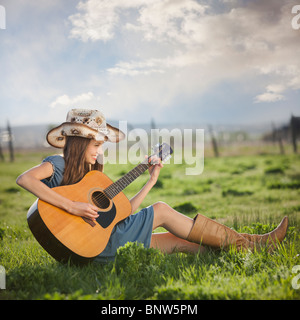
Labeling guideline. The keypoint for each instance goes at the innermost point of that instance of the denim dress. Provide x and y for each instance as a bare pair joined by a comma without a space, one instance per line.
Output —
135,228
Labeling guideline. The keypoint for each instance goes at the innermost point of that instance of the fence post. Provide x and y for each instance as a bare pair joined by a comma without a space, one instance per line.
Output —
277,135
213,141
10,143
1,153
293,125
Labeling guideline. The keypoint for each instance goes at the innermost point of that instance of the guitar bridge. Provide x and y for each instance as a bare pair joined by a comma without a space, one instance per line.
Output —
89,221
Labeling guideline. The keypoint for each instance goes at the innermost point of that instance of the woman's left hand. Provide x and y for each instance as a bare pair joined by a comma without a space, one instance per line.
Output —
154,170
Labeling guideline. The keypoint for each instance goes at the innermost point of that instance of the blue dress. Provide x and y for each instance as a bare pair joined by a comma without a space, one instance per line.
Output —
136,227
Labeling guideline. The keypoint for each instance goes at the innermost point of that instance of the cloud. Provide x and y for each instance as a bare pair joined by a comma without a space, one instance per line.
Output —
272,94
171,21
89,26
269,97
97,20
153,65
137,68
82,100
158,19
294,83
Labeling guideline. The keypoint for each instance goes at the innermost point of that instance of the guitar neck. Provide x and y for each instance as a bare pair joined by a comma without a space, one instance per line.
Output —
123,182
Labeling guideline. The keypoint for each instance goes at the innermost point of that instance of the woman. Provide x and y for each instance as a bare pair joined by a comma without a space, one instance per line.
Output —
81,138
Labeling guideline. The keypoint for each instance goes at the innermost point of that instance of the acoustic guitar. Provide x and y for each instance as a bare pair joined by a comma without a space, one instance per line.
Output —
67,237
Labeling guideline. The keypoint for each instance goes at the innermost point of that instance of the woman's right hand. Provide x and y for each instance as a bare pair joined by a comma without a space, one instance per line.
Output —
31,181
85,210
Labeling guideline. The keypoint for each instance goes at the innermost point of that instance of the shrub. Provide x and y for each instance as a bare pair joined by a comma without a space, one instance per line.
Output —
139,268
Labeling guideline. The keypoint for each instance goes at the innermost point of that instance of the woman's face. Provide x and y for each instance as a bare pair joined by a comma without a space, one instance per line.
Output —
92,151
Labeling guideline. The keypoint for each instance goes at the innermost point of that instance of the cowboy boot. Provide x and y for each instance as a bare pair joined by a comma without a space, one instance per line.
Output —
214,234
277,235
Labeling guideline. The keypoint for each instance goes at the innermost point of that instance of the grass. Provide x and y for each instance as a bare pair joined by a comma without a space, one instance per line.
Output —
249,193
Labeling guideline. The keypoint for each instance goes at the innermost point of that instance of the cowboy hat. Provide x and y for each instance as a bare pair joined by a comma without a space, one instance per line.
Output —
84,123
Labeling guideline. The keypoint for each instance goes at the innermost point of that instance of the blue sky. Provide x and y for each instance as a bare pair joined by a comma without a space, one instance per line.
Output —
210,61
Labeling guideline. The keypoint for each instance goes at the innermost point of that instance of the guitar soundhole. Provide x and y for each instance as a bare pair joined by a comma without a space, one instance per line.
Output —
100,200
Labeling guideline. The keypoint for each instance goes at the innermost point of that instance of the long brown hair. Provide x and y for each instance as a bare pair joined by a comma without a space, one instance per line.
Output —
75,165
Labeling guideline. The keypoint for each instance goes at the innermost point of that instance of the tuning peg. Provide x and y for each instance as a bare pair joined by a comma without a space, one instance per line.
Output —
167,158
155,146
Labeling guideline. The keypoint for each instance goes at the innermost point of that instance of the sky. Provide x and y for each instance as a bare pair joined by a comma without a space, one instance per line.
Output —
174,61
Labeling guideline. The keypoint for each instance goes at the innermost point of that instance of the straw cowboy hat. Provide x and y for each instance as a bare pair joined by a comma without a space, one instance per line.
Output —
85,123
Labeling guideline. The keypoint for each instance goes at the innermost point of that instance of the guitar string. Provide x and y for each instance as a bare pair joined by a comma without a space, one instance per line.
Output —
122,183
112,190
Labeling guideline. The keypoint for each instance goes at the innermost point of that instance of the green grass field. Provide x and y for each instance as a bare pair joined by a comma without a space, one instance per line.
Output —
249,193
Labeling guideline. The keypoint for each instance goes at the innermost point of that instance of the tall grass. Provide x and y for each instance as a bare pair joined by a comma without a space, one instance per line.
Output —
248,193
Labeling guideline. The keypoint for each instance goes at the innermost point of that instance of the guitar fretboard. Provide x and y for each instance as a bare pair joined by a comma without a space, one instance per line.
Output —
123,182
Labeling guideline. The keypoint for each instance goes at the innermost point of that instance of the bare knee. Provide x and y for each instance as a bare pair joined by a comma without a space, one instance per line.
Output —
161,213
160,205
162,209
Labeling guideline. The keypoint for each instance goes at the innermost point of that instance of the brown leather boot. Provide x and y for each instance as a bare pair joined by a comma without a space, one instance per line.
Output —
273,237
214,234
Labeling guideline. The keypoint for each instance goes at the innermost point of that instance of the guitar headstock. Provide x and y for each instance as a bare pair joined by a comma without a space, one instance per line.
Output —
162,151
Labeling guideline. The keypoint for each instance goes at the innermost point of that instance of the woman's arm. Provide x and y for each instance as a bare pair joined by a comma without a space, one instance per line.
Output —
30,180
136,201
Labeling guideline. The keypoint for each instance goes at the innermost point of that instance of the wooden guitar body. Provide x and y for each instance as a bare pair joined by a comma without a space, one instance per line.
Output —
68,237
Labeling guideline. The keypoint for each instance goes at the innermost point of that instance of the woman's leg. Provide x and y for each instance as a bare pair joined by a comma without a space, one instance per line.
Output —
201,230
172,220
168,243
